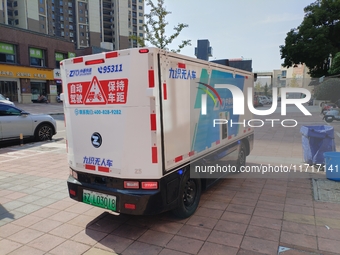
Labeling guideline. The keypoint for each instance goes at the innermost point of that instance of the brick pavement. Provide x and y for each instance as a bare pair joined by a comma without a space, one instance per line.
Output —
240,216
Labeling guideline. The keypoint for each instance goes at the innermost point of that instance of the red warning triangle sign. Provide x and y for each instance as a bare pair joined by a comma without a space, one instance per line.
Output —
95,94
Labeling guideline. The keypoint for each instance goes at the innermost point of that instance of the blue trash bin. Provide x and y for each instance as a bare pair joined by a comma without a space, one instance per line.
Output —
315,141
332,165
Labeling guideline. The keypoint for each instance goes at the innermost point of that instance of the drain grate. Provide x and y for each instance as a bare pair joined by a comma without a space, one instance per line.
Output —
326,190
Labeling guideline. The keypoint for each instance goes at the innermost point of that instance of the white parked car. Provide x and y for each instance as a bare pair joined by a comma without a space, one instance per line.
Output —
264,100
5,100
14,121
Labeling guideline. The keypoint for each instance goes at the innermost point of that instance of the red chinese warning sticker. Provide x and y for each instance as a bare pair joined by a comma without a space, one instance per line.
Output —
98,92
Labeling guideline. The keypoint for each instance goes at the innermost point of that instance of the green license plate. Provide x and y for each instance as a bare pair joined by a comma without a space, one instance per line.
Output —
99,200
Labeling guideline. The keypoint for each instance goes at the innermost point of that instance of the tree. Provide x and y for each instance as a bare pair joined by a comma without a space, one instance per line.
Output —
155,28
328,90
258,87
316,37
266,89
335,68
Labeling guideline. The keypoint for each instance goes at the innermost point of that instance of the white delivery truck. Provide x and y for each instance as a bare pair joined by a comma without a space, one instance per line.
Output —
144,124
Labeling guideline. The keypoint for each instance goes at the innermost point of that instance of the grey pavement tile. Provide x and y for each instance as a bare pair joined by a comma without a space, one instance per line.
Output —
5,185
43,185
59,195
42,179
28,208
30,190
13,205
43,193
29,198
44,201
18,187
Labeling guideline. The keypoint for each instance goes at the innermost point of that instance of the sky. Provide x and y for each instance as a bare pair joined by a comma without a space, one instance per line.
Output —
252,29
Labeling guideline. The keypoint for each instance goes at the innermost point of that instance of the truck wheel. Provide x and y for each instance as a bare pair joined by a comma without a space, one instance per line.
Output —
329,119
241,159
189,196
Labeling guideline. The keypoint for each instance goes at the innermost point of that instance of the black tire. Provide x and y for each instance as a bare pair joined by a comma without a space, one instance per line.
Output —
242,156
43,132
329,119
189,196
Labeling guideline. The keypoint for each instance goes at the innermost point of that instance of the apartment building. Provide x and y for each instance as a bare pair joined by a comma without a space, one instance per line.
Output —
100,23
295,76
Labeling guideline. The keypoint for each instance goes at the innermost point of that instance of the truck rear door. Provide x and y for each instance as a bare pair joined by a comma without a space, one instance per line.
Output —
107,114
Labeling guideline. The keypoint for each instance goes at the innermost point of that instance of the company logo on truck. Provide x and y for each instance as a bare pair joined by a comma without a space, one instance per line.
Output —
80,72
181,73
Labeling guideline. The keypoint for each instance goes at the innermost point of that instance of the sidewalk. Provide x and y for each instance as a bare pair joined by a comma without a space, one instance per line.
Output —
34,108
237,216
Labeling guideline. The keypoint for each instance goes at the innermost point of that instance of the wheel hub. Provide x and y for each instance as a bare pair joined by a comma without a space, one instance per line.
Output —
189,193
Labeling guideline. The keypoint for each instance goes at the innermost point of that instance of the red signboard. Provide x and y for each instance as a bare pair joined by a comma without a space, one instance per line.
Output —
98,92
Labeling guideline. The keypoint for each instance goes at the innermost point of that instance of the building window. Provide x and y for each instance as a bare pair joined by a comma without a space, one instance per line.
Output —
37,57
141,34
81,26
141,1
140,7
42,26
80,4
15,4
81,19
70,19
140,21
7,53
53,8
284,74
16,13
140,14
82,34
59,57
60,3
41,1
41,9
81,11
16,22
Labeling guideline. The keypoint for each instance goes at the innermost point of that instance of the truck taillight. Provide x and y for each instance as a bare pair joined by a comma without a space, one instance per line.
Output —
131,185
130,206
143,50
94,62
149,185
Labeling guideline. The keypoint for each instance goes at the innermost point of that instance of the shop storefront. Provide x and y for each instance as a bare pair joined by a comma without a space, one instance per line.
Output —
25,84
